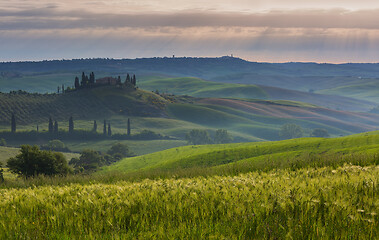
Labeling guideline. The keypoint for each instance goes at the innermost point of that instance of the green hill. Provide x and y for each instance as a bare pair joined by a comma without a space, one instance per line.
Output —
100,102
199,88
256,156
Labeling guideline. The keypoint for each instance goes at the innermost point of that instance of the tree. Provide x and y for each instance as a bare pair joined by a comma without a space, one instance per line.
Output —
319,132
88,160
62,88
13,123
83,81
127,80
94,126
3,142
31,162
134,81
77,85
118,80
51,125
119,151
105,128
290,130
109,130
198,137
128,129
71,125
92,78
222,136
1,173
55,127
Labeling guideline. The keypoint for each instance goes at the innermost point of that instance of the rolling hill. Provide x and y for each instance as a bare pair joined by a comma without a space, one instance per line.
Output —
200,88
257,156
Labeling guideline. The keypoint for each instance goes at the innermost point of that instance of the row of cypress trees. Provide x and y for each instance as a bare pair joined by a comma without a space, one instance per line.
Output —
53,126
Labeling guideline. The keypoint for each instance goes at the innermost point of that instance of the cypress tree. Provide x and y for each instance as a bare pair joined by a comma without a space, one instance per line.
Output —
51,126
62,88
71,125
94,126
83,82
105,128
13,123
119,80
77,85
92,78
55,126
128,130
109,130
127,79
59,88
134,81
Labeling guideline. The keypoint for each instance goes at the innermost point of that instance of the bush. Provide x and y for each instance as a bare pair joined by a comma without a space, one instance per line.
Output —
89,160
222,136
31,161
319,132
119,151
55,145
198,137
3,142
290,130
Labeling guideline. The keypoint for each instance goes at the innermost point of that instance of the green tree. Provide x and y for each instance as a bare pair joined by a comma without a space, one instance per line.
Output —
55,145
109,130
55,127
71,125
3,142
119,151
89,160
198,137
320,132
51,125
13,123
128,132
290,130
222,136
94,126
77,84
31,162
105,128
1,173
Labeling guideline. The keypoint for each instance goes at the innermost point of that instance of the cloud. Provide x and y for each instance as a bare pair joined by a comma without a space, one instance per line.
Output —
51,18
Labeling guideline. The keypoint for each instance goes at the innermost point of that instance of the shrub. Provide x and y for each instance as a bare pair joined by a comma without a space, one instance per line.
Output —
222,136
319,132
89,160
31,161
119,151
3,142
290,130
198,137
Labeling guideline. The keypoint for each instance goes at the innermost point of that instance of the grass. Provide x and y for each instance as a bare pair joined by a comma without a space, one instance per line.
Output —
253,156
200,88
310,203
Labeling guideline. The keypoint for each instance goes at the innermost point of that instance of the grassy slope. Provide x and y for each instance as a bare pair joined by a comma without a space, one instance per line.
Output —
217,155
367,91
200,88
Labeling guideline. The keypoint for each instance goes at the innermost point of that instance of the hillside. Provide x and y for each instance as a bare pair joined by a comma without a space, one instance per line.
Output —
45,76
255,156
201,88
93,103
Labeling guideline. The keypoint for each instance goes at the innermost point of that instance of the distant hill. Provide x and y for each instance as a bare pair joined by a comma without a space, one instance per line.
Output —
349,80
201,88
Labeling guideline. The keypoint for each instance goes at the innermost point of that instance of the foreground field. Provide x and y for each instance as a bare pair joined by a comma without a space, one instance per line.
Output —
320,203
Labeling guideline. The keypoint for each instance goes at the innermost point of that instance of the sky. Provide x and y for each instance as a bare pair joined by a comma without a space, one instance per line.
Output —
334,31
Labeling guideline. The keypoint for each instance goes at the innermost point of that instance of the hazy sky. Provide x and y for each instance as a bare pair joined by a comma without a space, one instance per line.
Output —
257,30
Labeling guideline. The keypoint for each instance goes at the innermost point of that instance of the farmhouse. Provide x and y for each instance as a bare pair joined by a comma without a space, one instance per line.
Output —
106,81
